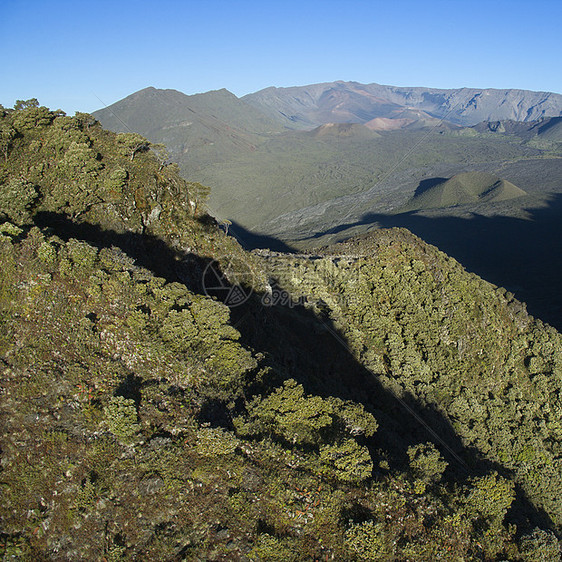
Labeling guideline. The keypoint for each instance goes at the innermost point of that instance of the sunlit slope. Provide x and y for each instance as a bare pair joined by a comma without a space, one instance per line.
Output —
314,104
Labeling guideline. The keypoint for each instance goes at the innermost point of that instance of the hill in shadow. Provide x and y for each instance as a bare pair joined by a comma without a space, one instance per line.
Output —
427,184
551,129
522,255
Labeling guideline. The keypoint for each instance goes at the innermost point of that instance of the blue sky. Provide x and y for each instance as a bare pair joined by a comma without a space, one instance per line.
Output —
78,56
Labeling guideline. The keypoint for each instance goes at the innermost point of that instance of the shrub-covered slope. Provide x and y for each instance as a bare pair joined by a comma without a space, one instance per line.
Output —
428,329
384,407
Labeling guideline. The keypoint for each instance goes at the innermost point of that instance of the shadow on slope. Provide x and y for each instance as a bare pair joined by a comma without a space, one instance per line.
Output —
523,256
427,184
309,348
148,251
252,240
299,344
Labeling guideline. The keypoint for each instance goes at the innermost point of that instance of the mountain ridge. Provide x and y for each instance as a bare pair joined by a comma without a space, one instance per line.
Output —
299,106
309,106
208,126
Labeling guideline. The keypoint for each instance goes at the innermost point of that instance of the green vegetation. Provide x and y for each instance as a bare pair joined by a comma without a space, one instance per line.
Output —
145,420
428,329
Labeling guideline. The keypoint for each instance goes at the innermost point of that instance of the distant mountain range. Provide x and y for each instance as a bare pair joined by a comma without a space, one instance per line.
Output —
204,128
309,106
281,149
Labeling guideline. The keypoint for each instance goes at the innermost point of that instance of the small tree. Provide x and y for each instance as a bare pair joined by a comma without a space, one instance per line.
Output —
24,104
490,497
133,143
84,120
426,462
29,114
290,414
17,198
349,461
7,136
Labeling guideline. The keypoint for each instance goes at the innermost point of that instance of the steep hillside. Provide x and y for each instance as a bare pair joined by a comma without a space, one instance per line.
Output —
371,401
432,332
551,130
307,106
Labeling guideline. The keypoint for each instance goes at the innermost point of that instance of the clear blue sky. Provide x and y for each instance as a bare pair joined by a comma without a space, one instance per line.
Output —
69,54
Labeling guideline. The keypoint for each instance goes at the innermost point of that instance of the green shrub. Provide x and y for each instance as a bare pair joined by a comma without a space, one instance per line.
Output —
353,417
349,461
540,546
17,198
47,253
289,413
368,541
426,462
83,255
213,441
490,497
269,549
121,418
